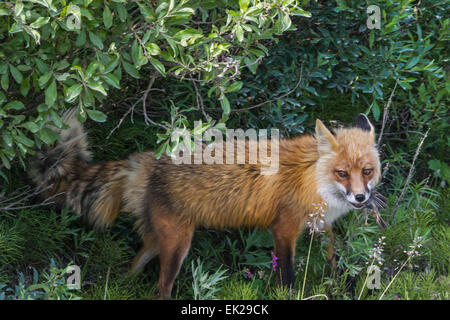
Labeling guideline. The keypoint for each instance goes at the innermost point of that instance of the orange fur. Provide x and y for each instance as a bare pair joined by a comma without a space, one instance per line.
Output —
170,200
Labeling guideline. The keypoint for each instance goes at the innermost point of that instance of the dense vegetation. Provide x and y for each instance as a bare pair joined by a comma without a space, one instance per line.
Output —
146,68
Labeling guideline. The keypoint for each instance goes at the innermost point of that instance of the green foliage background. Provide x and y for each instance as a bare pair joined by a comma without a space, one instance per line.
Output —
243,64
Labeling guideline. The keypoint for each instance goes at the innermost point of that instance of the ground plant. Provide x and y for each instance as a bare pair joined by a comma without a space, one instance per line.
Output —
136,71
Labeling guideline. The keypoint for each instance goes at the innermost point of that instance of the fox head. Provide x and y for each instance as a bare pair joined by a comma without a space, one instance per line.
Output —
348,168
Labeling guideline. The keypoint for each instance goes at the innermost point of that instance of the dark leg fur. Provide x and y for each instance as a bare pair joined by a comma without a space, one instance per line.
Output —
285,231
174,238
331,255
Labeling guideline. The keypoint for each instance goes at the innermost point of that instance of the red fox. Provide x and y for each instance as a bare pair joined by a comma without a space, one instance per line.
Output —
337,171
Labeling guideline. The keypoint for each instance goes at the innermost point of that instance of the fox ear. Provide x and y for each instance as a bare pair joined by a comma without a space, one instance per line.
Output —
363,123
326,142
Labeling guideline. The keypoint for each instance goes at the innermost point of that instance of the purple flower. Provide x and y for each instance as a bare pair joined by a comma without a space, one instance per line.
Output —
274,262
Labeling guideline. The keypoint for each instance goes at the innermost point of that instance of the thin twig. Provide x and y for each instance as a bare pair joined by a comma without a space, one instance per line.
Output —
386,112
315,296
275,99
306,267
142,99
408,179
13,203
392,280
365,280
200,104
402,132
107,280
120,122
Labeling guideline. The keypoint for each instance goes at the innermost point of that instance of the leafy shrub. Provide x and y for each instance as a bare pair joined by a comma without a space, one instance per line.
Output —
58,53
341,55
205,285
53,287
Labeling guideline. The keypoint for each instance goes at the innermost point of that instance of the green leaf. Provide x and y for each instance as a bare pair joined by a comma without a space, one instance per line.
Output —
189,34
135,53
39,22
56,119
60,77
86,13
21,138
96,115
411,63
95,40
239,33
251,64
51,94
81,39
3,67
152,48
31,126
130,69
97,86
42,107
18,8
286,22
7,138
301,12
25,86
93,66
16,105
121,11
112,80
1,172
111,65
148,13
2,99
5,161
243,4
376,111
48,136
161,148
107,17
87,97
16,74
5,81
161,9
225,104
73,92
42,66
44,79
235,86
158,66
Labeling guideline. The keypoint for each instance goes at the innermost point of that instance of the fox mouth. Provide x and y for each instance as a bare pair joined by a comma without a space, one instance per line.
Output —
358,205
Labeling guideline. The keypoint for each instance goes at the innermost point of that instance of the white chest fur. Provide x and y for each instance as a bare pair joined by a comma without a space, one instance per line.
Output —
335,207
334,212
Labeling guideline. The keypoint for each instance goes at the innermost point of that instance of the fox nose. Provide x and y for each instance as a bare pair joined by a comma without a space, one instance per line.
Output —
360,197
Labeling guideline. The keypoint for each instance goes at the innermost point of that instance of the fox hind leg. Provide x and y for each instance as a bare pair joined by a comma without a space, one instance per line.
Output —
149,250
174,242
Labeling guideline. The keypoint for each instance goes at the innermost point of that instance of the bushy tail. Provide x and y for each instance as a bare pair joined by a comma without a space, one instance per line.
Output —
93,190
57,161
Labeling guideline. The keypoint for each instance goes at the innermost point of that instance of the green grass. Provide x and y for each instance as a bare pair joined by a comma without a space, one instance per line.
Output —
33,237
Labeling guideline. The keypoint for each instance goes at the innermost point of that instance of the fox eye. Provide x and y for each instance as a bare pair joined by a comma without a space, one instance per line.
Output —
367,172
342,173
